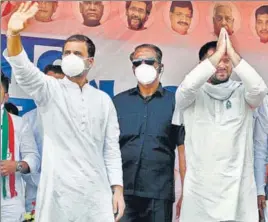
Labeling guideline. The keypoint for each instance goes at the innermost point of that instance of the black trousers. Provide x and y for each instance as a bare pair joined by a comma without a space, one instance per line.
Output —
140,209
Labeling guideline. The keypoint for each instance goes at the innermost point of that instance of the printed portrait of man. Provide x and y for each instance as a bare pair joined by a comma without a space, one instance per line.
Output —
223,17
92,12
46,11
261,23
137,13
180,15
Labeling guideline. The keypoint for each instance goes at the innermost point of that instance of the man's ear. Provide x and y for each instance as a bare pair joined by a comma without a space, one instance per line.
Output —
55,6
90,60
146,17
6,97
80,7
170,16
161,68
133,68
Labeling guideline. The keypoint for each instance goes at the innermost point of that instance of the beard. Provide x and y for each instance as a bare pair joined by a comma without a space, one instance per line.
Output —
137,26
215,81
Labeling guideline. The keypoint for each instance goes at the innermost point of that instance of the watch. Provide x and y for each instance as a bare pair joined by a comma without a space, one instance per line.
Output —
19,167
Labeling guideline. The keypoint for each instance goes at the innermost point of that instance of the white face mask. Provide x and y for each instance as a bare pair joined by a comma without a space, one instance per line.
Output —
145,74
73,65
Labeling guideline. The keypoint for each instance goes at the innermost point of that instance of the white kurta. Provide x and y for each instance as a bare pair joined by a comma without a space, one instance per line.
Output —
81,155
219,183
13,209
33,118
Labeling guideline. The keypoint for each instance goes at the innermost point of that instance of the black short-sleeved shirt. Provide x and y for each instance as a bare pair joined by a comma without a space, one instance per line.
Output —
147,142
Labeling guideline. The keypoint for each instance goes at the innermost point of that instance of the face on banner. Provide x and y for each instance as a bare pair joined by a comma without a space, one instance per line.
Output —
137,13
261,23
179,28
46,11
181,14
92,12
223,17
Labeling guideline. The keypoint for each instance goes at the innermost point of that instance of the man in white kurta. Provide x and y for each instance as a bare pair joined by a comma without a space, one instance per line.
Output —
81,156
33,117
218,113
13,208
34,120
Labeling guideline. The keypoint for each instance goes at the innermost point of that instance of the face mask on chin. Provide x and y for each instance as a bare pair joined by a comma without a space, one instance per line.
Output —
146,74
73,66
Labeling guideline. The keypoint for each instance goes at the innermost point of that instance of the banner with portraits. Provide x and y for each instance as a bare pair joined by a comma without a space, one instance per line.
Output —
179,28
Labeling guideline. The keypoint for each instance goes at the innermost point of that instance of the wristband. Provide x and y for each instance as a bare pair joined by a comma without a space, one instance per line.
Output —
8,34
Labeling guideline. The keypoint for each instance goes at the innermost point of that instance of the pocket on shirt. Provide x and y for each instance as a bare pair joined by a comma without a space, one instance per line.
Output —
129,124
231,110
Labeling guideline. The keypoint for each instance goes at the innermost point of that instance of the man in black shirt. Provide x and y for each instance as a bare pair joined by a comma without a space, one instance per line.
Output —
148,140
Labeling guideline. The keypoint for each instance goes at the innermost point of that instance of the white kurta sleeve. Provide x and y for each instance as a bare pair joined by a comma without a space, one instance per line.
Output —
34,82
28,149
186,92
255,87
112,153
260,139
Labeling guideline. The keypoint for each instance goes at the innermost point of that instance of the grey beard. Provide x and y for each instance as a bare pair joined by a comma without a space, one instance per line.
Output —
215,81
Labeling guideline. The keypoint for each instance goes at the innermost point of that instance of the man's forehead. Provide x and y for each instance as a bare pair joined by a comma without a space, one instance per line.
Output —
184,9
75,46
92,2
138,4
262,16
223,9
144,53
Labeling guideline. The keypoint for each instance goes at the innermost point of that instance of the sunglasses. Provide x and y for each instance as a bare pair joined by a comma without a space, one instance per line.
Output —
149,61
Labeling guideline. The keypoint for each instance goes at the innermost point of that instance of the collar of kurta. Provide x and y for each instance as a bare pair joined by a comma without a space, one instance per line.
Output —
159,91
7,151
66,81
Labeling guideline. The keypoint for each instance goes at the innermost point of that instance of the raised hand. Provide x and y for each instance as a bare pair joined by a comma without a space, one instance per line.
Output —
233,55
221,48
229,46
222,44
17,21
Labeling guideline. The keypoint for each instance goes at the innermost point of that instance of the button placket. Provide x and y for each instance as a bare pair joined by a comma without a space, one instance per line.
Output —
83,114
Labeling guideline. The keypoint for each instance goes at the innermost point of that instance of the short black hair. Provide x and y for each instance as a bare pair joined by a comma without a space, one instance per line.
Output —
261,10
205,48
150,46
149,6
181,4
11,108
4,82
82,38
53,68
